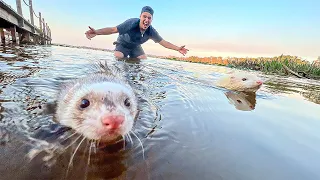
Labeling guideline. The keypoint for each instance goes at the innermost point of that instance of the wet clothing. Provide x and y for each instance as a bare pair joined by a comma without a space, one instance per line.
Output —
131,52
130,37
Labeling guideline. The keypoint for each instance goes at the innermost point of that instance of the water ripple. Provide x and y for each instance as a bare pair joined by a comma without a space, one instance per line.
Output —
184,122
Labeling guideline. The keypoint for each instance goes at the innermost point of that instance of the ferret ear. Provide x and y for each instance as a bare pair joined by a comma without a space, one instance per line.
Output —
70,93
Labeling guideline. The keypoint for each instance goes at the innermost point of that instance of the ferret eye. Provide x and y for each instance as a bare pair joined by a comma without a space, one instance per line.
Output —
244,79
127,102
84,103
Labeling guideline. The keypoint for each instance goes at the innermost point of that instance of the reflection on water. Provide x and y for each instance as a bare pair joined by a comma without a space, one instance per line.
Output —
309,90
186,129
243,101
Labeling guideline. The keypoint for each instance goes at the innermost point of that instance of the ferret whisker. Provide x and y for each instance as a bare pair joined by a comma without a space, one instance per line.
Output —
95,146
75,151
130,138
69,137
88,162
127,136
124,140
86,146
79,125
140,143
72,143
85,150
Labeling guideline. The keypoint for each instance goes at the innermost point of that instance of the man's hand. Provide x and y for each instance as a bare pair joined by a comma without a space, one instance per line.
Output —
103,31
168,45
183,50
91,33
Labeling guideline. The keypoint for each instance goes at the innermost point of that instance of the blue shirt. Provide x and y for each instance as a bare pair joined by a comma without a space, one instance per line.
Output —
130,35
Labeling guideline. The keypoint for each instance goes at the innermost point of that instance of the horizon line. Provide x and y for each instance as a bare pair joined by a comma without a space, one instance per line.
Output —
151,55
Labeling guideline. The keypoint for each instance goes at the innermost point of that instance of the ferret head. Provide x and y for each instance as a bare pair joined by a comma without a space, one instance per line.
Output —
244,82
100,111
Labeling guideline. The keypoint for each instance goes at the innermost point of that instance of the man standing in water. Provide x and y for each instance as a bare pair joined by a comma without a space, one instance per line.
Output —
134,32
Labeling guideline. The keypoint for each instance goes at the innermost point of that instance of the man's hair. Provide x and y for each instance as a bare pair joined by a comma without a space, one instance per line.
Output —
147,9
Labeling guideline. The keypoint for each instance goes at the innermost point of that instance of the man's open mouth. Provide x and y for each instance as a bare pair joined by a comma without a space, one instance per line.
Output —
145,23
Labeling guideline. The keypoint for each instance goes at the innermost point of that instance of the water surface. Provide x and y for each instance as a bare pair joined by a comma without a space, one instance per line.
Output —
189,128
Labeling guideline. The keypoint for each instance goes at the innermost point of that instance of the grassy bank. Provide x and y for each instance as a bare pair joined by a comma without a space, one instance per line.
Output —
273,65
269,65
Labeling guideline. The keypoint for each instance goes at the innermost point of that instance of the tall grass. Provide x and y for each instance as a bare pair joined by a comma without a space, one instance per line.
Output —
268,65
265,64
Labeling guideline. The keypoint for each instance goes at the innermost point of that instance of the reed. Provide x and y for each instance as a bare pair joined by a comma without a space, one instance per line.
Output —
273,65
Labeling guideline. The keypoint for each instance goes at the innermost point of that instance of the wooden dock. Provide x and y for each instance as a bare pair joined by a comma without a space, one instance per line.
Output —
14,25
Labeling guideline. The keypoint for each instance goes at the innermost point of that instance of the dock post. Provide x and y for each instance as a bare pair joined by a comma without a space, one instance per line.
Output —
19,10
31,15
47,32
44,31
13,34
40,23
41,34
3,38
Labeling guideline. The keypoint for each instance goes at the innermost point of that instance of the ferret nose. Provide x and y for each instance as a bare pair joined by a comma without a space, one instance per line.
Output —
259,82
112,122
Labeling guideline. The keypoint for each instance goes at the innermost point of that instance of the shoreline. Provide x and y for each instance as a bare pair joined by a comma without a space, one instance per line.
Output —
281,65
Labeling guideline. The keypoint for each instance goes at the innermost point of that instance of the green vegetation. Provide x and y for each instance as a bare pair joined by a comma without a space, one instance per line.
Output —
273,65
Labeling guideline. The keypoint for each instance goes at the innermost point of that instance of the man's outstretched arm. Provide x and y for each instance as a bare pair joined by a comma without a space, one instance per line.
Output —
169,45
121,29
103,31
107,31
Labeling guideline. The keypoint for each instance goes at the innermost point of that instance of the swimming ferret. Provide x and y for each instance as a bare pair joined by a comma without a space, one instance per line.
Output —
100,106
240,81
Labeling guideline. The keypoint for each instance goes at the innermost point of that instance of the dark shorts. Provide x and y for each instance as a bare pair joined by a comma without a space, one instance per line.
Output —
131,52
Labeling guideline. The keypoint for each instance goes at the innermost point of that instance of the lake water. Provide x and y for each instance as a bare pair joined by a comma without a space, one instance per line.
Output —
188,128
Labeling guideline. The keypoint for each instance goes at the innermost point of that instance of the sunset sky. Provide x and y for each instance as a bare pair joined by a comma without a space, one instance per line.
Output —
207,28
